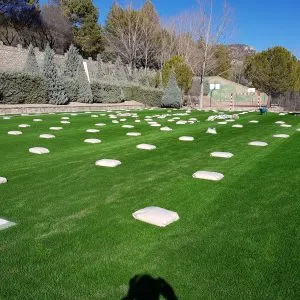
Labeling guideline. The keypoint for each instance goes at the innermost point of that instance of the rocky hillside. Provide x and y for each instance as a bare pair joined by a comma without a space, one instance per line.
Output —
239,52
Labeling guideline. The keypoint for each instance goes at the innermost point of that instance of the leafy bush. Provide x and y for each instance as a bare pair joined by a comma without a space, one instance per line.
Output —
146,95
22,88
172,94
184,74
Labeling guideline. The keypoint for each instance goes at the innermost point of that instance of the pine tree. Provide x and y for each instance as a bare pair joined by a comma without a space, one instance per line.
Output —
55,88
120,73
71,62
100,68
84,88
172,93
31,66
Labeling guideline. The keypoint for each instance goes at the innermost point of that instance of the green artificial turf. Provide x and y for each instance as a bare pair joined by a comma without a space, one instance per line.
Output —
75,237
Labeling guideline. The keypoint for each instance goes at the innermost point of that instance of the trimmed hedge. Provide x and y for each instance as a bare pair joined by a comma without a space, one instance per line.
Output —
19,88
104,92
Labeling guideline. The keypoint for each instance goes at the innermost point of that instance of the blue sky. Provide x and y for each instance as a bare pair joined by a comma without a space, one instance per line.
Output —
258,23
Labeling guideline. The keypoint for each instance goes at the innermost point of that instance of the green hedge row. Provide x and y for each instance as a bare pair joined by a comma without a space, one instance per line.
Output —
104,92
22,88
26,89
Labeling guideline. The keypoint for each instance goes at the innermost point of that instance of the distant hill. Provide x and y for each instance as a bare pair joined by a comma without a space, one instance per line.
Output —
239,52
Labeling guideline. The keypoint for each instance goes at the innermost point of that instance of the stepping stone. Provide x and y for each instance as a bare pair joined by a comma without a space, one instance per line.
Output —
253,121
92,141
115,121
6,118
65,118
74,114
181,122
146,147
298,129
280,122
47,136
237,126
5,224
230,120
15,132
282,114
100,124
92,130
24,125
55,128
123,120
3,180
186,138
221,154
193,119
283,136
166,129
258,144
94,116
222,123
137,121
110,163
127,126
211,131
133,134
285,125
39,150
156,216
155,125
37,120
214,176
65,122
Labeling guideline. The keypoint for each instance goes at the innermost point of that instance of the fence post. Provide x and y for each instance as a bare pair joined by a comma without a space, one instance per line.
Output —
231,102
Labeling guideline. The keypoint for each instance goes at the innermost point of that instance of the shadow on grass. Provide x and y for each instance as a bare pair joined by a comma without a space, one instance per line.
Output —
145,287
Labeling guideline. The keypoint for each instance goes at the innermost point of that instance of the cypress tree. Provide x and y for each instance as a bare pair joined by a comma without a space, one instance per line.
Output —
55,87
84,88
31,66
71,62
172,93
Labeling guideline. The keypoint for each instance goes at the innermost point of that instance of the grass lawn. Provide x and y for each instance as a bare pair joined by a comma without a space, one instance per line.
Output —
75,238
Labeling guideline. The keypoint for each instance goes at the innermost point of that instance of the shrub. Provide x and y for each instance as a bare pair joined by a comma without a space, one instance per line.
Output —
183,72
22,88
105,92
172,93
120,73
71,88
84,89
31,66
146,95
55,88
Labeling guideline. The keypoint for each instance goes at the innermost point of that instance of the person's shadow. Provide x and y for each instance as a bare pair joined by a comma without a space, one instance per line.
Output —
145,287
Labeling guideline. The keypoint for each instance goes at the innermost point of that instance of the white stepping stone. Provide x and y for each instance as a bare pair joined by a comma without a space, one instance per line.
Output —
237,126
47,136
5,224
285,125
133,133
283,136
222,123
221,154
127,126
230,120
6,118
92,141
186,138
137,121
39,150
282,114
16,132
74,114
193,119
56,128
156,216
181,122
65,118
298,129
115,121
254,121
280,122
166,129
146,147
3,180
155,125
110,163
123,120
100,124
211,131
214,176
94,116
65,122
24,125
37,120
92,130
258,144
